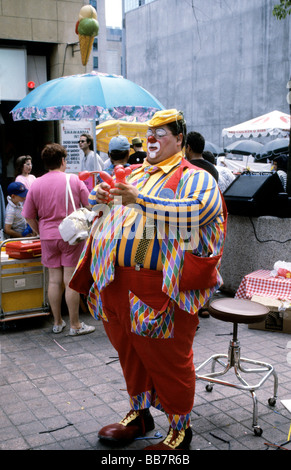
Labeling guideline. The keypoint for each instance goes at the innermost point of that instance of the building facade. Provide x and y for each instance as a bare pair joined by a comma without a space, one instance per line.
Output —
221,63
107,47
132,4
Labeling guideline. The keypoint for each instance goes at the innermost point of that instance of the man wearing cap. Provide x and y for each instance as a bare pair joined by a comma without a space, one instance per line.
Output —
142,253
15,224
139,155
118,153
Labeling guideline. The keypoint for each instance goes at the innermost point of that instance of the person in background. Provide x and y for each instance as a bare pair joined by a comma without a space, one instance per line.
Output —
118,153
44,209
139,155
15,225
207,155
23,167
141,288
195,143
89,162
225,176
280,165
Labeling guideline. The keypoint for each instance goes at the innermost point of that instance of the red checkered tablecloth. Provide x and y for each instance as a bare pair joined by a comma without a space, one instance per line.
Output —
263,284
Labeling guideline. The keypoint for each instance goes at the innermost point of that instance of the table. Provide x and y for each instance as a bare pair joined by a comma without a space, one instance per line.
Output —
23,287
261,283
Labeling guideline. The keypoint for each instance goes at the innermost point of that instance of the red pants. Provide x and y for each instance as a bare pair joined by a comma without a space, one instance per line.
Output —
163,365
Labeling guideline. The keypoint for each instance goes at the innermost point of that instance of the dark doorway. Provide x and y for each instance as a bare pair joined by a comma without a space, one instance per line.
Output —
21,138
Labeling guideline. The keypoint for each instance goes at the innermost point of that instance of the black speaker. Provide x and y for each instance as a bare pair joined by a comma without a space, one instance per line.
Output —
253,194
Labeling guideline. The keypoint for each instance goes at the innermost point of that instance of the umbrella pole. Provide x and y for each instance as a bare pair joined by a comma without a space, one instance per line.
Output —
94,144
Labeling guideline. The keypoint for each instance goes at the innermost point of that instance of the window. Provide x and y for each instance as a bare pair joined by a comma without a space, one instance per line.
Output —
95,63
93,3
132,4
13,74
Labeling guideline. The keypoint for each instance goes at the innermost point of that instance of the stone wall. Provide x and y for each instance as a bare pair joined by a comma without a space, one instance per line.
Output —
221,63
252,244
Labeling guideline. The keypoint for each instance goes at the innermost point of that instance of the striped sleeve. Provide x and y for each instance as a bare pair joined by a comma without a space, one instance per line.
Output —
197,200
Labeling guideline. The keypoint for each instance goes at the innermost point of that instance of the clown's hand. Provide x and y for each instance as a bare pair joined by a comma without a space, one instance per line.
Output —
100,194
126,191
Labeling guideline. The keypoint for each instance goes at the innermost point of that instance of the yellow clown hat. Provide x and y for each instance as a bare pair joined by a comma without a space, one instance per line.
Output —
164,117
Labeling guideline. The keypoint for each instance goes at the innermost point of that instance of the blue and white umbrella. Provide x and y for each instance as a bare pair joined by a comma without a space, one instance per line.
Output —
275,147
91,96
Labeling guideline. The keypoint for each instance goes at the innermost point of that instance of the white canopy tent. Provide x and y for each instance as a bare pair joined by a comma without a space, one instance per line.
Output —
274,123
247,163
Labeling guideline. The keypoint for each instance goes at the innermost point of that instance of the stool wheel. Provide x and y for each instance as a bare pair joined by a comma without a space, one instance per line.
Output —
258,431
272,401
209,388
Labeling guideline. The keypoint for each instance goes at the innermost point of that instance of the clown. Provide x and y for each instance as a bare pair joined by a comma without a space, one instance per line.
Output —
161,278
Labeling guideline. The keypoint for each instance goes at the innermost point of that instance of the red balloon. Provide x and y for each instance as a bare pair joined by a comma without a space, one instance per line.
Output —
84,175
121,173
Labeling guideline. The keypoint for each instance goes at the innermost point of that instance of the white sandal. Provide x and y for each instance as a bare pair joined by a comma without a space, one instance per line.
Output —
59,328
84,330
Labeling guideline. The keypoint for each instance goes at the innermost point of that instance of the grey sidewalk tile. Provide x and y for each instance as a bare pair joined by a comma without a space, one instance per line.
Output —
12,374
51,380
80,443
15,407
37,440
14,444
88,426
9,432
22,418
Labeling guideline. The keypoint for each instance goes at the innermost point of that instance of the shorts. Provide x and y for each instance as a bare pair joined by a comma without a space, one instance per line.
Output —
57,253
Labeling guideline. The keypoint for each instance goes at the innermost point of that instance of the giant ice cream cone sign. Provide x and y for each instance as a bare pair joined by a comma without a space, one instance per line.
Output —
87,27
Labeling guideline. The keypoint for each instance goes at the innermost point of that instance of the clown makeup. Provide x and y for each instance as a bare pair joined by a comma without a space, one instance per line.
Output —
153,148
154,137
162,144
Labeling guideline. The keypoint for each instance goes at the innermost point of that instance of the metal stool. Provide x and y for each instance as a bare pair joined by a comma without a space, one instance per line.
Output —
238,311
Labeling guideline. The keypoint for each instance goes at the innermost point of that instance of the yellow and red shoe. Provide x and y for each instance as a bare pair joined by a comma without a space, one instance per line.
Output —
175,440
135,424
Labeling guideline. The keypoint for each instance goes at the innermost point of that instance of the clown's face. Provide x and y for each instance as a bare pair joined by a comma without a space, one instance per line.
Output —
162,144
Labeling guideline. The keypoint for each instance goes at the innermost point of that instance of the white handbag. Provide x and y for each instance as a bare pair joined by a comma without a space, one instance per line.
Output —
76,226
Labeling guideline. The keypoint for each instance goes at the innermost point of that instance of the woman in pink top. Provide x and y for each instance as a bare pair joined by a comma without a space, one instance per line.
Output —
44,209
23,169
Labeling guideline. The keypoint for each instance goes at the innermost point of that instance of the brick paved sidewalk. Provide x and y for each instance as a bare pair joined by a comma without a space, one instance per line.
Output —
57,391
